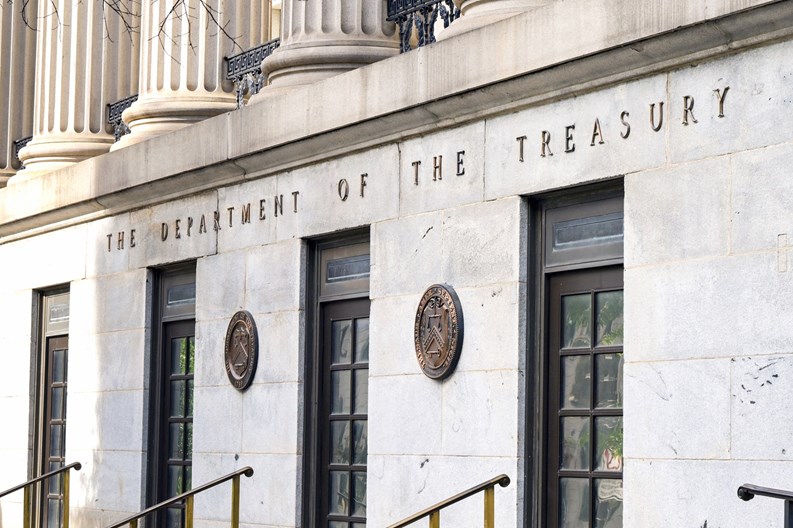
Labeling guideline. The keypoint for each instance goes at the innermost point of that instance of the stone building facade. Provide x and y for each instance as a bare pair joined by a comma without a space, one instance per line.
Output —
605,184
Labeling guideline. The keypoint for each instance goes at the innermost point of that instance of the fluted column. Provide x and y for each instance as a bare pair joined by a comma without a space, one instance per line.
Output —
83,62
322,38
182,76
17,74
478,13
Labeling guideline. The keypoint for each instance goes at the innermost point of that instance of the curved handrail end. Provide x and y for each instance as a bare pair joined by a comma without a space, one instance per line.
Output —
248,471
503,481
744,493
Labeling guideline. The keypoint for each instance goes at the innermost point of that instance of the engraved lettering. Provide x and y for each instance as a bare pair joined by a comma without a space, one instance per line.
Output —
216,215
177,232
189,225
262,215
279,205
624,119
597,134
246,213
294,200
109,240
437,168
120,241
343,189
202,225
132,238
569,146
546,147
363,182
231,214
164,231
657,127
688,109
520,140
460,168
721,95
416,172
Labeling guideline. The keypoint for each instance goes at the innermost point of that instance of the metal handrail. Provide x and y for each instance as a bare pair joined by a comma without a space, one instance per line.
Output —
748,491
188,496
27,498
434,512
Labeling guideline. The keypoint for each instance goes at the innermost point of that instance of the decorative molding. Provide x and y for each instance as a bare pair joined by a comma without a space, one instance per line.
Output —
420,16
245,70
114,111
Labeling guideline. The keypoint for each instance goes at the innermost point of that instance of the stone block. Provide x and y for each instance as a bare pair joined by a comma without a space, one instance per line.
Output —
760,403
215,405
109,480
220,299
334,195
415,402
109,420
678,213
677,409
757,79
597,147
109,304
459,153
698,309
252,220
480,414
281,347
762,200
275,277
16,313
271,416
15,413
108,362
391,348
160,240
106,256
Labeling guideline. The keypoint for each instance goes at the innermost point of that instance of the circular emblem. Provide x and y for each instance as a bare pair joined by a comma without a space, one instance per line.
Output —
438,333
242,350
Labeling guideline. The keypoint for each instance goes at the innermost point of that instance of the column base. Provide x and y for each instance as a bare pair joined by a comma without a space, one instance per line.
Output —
49,153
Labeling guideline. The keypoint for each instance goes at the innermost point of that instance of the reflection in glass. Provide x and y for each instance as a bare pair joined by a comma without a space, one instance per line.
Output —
609,318
57,403
188,478
608,503
178,396
190,355
361,391
362,340
573,503
188,454
53,513
340,442
359,434
190,397
55,482
340,392
178,355
56,440
337,524
176,436
342,342
174,518
339,492
175,481
608,443
181,294
575,442
576,379
359,494
59,366
576,316
608,390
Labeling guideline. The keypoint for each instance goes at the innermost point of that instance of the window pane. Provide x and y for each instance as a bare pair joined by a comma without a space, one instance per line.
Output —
57,403
575,443
178,355
592,231
190,355
188,478
359,494
359,430
342,342
576,316
339,492
608,446
175,481
362,340
573,503
55,482
190,397
609,318
188,453
608,503
340,392
56,440
340,442
337,524
178,396
174,517
361,391
609,380
176,437
576,379
181,294
53,513
58,366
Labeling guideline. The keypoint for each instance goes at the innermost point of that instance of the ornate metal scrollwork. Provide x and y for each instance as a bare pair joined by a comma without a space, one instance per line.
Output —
114,111
420,16
245,70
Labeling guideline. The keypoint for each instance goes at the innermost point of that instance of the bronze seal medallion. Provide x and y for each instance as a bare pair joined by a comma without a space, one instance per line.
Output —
242,350
438,332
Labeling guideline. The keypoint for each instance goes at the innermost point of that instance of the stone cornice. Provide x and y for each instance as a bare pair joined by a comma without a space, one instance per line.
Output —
538,56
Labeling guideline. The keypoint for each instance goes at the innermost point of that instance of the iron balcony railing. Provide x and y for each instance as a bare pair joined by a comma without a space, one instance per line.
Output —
420,17
114,111
27,486
188,497
434,512
748,491
19,144
245,69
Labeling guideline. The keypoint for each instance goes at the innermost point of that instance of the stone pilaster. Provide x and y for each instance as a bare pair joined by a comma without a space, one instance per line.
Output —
17,75
479,13
182,78
83,62
322,38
